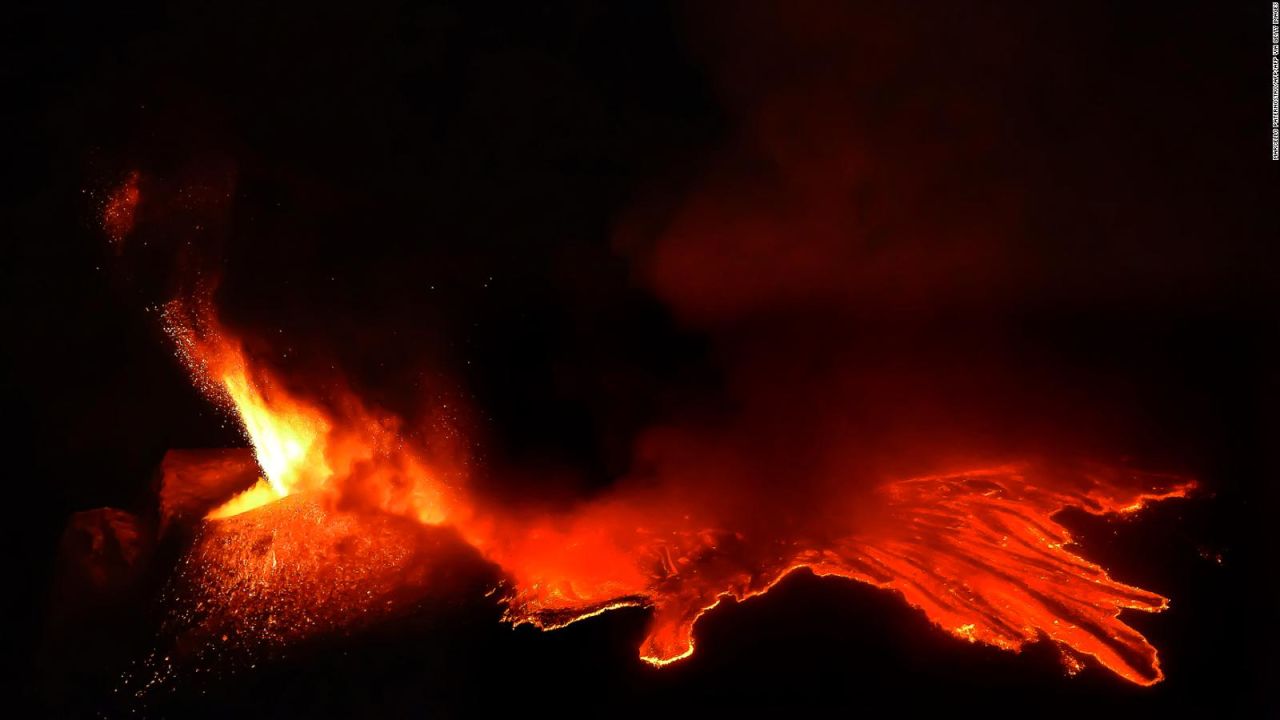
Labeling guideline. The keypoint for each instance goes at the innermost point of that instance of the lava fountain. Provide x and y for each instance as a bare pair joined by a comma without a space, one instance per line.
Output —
331,532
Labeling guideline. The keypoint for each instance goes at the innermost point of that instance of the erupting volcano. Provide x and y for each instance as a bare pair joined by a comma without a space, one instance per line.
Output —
333,530
664,358
800,251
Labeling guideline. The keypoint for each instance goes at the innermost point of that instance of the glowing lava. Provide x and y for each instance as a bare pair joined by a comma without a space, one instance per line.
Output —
978,552
287,435
300,445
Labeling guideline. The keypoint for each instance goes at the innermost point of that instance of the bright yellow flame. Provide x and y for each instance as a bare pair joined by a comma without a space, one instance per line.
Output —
298,444
287,438
261,493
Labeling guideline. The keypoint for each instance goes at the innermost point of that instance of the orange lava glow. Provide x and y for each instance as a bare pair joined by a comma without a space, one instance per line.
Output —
321,535
291,570
298,444
978,552
120,208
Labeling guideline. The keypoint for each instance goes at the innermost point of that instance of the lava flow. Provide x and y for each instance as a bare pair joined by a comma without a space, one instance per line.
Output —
326,536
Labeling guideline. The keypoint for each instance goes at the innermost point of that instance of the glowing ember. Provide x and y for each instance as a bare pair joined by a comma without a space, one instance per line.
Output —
979,552
120,208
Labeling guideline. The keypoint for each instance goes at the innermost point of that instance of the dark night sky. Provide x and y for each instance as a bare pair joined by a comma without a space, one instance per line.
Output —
471,199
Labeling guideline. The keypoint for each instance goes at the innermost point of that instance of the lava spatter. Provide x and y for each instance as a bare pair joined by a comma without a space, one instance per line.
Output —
120,209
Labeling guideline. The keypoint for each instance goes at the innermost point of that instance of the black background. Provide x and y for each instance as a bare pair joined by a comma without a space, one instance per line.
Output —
435,186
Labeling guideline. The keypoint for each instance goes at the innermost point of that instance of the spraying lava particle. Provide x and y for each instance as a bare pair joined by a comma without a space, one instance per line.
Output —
119,211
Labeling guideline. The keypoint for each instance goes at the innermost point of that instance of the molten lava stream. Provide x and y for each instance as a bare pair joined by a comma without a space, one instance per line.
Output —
978,552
